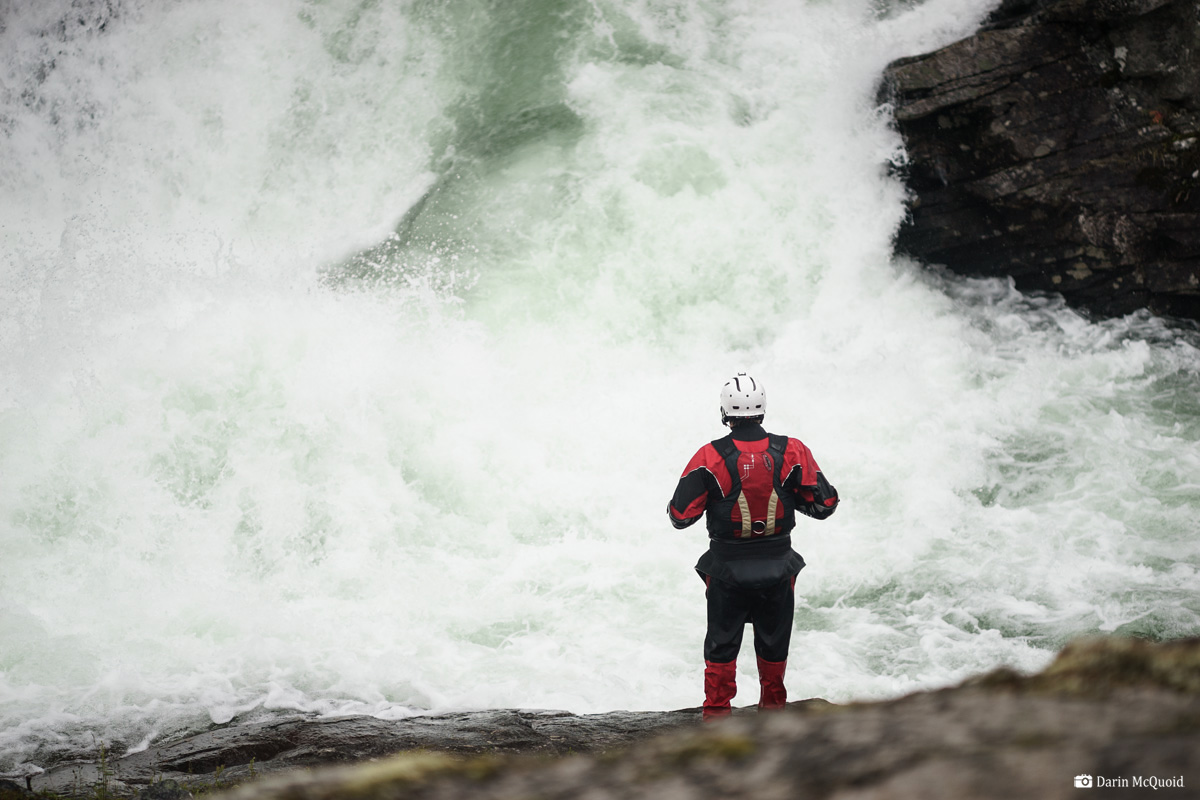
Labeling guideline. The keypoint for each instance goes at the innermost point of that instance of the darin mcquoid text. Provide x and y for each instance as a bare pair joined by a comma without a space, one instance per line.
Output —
1137,781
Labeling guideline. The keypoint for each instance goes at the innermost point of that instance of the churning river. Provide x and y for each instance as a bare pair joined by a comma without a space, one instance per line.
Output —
350,351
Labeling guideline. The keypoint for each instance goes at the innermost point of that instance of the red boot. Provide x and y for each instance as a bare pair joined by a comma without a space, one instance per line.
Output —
770,676
720,685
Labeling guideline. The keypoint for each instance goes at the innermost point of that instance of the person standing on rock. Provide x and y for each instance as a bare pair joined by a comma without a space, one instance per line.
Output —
749,486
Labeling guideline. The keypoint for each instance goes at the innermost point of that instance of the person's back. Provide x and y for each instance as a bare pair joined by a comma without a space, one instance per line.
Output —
749,485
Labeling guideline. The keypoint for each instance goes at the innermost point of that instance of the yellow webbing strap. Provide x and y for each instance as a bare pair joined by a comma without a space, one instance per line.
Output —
744,507
772,515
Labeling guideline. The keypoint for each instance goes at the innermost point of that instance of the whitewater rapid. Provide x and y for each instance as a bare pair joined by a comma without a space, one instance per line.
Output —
350,352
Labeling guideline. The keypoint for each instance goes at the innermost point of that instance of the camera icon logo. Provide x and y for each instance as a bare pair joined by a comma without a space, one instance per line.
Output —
1083,781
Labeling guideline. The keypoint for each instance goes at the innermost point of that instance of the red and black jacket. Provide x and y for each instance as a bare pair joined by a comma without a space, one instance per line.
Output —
711,485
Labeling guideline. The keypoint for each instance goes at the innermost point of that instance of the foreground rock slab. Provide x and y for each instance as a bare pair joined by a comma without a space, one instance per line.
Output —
1122,714
1060,145
236,753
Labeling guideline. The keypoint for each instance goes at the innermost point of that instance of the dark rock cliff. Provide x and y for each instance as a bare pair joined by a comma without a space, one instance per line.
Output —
1060,145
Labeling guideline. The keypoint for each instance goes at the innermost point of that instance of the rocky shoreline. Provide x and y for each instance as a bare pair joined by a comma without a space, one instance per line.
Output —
1121,711
238,752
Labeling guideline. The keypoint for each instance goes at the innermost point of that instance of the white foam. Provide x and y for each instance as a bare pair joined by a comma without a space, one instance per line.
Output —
229,490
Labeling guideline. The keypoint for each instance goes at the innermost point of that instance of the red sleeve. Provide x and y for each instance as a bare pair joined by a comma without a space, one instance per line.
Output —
816,497
799,466
705,473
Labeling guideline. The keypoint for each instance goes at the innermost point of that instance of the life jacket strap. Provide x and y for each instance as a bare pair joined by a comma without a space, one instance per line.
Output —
728,450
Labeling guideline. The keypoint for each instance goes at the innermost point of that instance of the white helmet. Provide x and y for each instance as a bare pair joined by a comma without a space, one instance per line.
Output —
742,396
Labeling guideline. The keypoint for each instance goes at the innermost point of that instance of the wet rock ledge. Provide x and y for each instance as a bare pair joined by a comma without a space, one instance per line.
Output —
241,752
1125,712
1060,145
